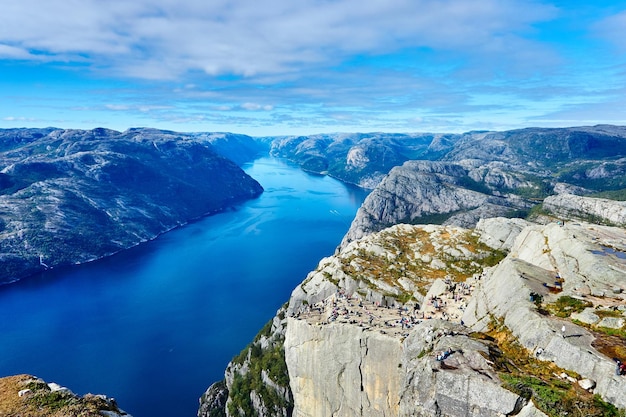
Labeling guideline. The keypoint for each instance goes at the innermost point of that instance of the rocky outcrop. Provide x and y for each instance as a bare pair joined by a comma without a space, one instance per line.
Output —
71,196
551,262
595,209
29,396
374,374
410,321
500,232
429,192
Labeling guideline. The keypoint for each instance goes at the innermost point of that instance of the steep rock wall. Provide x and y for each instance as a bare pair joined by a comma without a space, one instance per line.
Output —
568,205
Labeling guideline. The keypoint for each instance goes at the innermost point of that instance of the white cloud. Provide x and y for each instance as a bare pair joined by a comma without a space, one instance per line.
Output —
256,107
117,107
12,52
155,39
613,29
18,119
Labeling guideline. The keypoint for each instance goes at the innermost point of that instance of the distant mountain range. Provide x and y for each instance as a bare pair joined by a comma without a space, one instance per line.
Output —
590,157
69,196
458,179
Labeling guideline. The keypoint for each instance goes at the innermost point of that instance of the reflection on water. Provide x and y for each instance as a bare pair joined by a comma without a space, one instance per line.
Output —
610,251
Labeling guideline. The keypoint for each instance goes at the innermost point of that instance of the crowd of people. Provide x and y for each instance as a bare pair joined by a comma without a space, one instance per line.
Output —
390,317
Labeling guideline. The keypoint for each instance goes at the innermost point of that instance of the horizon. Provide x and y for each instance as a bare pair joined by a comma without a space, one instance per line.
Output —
280,69
329,133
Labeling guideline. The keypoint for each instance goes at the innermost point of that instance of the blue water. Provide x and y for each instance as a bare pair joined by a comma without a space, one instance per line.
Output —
155,325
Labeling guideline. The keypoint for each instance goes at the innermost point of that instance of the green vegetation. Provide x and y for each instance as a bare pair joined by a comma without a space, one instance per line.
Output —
470,184
577,175
537,381
258,360
41,401
540,190
270,360
565,306
435,218
52,400
619,195
537,211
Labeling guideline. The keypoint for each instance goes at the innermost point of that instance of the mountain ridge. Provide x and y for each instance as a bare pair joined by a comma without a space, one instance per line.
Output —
72,196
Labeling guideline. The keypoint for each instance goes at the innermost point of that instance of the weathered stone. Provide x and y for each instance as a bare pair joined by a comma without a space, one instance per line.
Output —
539,253
587,316
612,322
500,232
587,384
569,205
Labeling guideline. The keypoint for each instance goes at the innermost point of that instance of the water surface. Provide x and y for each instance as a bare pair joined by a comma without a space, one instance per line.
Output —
155,325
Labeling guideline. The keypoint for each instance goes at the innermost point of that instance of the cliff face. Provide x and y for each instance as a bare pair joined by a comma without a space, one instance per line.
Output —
71,196
445,321
432,192
598,209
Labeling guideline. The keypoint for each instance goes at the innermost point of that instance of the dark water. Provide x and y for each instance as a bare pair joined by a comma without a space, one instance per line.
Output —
155,325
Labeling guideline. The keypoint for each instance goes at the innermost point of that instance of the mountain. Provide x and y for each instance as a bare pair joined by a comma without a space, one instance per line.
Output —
71,196
590,157
488,174
358,158
511,317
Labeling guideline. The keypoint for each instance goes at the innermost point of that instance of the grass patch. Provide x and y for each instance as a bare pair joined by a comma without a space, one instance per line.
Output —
535,380
618,195
565,306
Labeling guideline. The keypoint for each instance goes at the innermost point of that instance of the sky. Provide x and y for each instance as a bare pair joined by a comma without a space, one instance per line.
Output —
295,67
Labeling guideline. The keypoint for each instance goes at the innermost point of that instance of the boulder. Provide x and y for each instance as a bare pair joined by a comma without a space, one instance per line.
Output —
587,384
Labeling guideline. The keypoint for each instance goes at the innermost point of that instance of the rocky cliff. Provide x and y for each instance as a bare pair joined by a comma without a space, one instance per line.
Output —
426,320
434,192
71,196
598,210
29,396
487,174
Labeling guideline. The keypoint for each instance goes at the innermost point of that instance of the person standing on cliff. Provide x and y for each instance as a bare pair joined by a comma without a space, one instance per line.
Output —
563,331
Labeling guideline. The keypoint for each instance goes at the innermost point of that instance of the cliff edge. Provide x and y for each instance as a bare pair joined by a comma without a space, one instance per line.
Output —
508,318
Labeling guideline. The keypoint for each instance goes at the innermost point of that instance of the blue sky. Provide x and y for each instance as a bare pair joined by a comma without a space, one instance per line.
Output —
272,67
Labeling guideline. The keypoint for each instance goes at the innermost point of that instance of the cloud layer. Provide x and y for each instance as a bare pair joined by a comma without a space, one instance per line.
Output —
320,60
